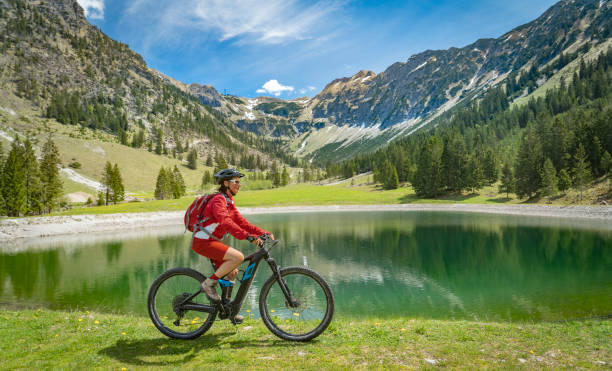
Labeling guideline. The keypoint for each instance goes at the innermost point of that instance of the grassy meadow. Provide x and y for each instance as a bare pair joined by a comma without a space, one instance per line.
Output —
44,339
356,191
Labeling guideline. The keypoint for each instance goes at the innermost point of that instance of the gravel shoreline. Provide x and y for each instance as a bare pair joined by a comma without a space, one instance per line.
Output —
21,230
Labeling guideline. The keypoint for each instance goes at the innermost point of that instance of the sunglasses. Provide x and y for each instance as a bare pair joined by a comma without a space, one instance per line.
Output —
234,181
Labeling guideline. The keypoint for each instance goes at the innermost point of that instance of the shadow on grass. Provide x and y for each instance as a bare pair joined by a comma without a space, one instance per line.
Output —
160,351
165,351
500,200
455,197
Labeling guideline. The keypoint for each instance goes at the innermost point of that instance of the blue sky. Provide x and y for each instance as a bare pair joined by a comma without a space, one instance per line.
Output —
290,48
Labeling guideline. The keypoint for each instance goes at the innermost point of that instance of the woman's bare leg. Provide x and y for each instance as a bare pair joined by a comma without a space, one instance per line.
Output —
231,260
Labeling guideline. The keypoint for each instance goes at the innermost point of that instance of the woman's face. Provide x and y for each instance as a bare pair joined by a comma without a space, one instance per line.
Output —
234,185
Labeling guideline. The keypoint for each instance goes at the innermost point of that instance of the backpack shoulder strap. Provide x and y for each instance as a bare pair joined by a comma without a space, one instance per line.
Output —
228,201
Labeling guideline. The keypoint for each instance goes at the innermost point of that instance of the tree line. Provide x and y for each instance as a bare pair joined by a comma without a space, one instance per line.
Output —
29,186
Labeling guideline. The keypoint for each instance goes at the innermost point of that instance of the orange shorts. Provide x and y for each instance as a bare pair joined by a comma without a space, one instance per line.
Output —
212,249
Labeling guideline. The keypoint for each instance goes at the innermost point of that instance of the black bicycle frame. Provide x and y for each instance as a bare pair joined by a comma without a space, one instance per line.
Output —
229,308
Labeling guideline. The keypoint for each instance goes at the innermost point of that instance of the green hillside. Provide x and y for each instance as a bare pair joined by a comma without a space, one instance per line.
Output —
92,149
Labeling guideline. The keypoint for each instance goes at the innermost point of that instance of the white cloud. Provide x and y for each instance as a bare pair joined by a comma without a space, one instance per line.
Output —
265,22
94,9
274,87
308,89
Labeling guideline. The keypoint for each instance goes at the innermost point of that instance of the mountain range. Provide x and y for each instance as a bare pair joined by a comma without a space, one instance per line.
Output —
52,56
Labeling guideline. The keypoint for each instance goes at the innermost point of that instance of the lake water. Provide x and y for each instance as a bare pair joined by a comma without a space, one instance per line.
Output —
386,264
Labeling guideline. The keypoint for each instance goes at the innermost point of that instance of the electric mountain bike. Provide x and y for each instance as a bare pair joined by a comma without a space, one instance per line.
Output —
295,303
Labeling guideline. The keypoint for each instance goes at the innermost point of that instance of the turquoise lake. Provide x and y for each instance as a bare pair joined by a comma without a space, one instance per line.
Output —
385,264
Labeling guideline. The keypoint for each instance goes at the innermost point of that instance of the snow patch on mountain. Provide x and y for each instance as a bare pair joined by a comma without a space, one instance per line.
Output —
249,115
419,66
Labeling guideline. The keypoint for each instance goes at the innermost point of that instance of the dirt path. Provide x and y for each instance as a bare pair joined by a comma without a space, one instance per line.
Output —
23,229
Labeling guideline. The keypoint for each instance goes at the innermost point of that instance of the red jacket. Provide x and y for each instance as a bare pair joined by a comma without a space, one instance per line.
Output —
223,217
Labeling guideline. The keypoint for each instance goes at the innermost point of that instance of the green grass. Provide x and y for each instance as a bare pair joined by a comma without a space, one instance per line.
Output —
362,192
138,167
43,339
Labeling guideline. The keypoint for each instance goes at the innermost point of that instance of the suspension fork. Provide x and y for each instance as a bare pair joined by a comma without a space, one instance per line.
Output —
293,302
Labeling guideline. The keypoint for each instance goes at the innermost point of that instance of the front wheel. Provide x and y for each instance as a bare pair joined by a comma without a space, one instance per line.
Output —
310,312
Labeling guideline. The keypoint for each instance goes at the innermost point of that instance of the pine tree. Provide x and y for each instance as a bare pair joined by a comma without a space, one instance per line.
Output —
32,178
101,200
391,180
427,180
138,139
107,182
527,168
221,163
50,181
118,191
507,180
13,181
582,174
192,159
474,177
489,167
606,163
285,177
275,176
179,188
209,160
2,203
606,166
454,162
549,179
206,178
159,141
161,185
179,146
565,181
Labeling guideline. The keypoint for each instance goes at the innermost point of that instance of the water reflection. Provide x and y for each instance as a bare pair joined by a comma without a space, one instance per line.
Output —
425,264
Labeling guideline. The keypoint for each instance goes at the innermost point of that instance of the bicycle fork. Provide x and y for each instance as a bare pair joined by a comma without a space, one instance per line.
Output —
290,301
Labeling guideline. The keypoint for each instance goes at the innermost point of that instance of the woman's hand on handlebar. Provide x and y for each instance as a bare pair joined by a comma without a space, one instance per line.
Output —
257,241
267,236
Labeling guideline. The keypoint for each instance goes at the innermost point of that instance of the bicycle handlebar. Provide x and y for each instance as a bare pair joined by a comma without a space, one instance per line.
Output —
268,242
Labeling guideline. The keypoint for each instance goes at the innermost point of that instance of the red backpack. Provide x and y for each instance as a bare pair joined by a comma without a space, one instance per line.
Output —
195,212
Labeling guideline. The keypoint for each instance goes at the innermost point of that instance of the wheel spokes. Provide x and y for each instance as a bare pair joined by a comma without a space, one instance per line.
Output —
307,315
171,300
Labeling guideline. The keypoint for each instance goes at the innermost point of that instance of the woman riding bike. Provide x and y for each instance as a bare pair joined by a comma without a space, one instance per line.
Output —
221,217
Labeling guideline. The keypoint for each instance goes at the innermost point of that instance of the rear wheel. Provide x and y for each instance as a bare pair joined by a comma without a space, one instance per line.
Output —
170,310
310,313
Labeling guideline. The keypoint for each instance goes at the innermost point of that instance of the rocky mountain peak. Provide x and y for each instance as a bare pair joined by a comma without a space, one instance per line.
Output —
206,93
346,84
